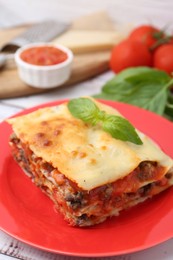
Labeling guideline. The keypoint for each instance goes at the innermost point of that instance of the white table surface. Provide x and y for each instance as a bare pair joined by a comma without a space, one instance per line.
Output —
157,12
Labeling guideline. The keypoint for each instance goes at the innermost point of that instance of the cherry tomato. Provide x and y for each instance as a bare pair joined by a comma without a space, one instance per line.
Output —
146,34
163,58
129,54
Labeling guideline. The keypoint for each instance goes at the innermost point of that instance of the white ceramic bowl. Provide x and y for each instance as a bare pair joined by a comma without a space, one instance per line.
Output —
50,76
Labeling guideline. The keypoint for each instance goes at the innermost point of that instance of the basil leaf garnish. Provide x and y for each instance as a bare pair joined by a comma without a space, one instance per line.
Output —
117,126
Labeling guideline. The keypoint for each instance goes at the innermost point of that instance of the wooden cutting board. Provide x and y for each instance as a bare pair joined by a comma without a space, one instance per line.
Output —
85,66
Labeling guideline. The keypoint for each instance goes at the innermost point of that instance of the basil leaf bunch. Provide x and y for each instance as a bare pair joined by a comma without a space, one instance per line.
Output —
144,87
117,126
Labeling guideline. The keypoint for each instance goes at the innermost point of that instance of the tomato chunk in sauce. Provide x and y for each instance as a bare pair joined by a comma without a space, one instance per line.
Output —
43,56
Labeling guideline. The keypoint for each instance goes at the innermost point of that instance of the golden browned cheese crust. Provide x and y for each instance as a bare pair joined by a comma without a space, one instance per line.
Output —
84,154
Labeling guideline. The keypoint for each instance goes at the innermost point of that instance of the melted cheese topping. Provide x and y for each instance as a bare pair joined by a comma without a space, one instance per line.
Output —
84,154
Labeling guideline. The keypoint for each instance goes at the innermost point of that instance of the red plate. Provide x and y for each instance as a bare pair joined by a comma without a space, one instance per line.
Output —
28,215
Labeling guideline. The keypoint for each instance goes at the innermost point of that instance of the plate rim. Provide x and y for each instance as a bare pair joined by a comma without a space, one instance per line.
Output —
135,249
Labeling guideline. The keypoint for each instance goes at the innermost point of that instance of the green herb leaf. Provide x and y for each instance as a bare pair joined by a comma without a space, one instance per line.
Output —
170,96
169,110
84,109
143,86
118,127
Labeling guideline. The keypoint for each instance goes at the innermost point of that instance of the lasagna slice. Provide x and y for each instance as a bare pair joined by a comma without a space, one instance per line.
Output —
88,174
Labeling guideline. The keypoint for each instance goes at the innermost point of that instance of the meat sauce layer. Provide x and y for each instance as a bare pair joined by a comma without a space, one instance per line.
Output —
88,206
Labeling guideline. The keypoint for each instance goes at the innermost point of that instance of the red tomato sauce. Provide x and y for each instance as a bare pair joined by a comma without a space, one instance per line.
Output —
43,56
